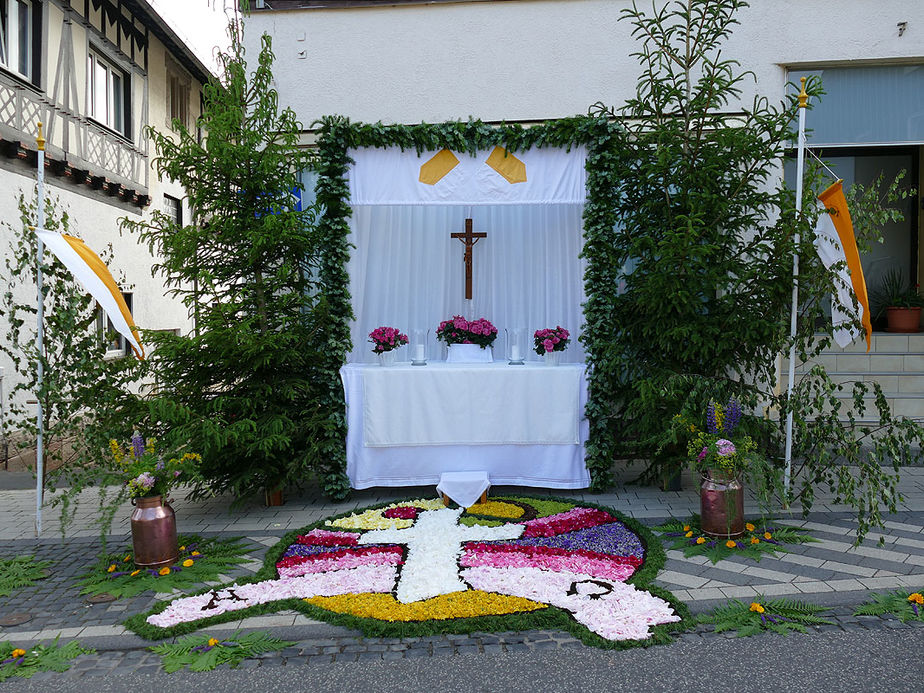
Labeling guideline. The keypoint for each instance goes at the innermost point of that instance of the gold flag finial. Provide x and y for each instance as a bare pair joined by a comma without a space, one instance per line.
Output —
40,141
803,95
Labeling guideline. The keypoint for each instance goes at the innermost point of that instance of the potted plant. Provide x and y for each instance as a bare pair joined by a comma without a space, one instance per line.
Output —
469,341
550,342
149,479
385,340
722,456
900,302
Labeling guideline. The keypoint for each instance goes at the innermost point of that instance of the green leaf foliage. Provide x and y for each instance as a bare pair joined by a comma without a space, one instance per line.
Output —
754,543
20,571
204,653
116,573
695,305
52,657
251,388
781,616
902,604
86,398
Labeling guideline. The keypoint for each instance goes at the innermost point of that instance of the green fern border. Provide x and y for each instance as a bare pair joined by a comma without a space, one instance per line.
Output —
549,618
38,658
204,653
898,603
777,615
687,536
112,574
20,571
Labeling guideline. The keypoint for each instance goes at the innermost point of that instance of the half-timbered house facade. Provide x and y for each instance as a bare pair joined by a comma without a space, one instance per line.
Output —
96,73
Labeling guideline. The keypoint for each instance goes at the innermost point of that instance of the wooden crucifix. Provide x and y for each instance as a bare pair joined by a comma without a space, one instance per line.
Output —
469,239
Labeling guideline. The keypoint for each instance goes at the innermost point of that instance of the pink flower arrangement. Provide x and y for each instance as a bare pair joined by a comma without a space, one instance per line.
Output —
548,340
386,339
458,330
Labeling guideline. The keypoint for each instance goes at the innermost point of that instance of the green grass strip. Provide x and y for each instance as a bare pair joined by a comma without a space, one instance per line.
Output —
200,561
20,571
549,618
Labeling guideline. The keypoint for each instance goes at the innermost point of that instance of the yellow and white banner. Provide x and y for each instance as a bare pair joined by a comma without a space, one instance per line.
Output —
835,243
393,176
93,275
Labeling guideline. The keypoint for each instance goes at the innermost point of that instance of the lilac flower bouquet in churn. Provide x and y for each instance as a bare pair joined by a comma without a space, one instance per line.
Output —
146,473
718,451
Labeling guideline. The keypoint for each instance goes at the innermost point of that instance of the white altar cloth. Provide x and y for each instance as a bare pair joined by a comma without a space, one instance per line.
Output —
524,459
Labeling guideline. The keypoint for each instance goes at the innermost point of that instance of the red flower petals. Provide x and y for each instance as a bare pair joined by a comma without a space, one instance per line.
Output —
579,518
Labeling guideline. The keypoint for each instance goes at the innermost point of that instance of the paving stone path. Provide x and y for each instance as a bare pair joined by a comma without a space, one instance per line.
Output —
831,572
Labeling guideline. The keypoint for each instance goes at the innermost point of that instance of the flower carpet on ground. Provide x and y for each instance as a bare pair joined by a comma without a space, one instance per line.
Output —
760,537
417,567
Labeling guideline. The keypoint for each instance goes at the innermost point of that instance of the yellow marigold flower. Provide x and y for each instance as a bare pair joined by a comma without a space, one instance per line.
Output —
213,642
757,607
755,540
17,653
127,558
767,535
700,540
749,527
688,535
686,528
188,563
182,548
134,573
731,544
111,569
195,553
164,571
916,597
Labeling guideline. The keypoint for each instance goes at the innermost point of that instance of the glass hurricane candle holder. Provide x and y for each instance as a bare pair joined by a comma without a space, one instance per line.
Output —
419,339
516,346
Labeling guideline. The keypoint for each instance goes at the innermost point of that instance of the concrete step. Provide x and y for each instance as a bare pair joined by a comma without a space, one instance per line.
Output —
878,362
882,342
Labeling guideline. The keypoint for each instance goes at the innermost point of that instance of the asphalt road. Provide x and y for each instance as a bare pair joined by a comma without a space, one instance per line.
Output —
881,660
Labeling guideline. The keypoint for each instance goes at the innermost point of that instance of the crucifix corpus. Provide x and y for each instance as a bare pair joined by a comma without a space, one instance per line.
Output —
469,239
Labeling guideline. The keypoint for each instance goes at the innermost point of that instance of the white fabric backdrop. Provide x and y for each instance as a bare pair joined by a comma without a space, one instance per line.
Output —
407,272
390,177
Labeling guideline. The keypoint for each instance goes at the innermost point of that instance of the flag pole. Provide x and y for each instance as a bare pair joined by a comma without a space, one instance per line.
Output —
800,168
39,339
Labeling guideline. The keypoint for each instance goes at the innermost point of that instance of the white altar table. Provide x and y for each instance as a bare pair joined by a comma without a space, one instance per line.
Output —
523,425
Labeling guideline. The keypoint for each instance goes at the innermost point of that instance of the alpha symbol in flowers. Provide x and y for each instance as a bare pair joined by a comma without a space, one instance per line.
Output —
419,561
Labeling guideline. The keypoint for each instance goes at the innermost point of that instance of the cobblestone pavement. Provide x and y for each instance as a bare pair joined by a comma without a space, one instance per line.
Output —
831,572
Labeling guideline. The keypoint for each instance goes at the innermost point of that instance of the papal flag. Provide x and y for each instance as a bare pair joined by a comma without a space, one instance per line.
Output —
836,244
93,275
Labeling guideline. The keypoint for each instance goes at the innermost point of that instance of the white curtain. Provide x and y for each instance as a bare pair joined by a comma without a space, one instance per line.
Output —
407,272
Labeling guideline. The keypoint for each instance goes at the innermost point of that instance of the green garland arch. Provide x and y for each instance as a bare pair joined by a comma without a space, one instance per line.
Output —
337,135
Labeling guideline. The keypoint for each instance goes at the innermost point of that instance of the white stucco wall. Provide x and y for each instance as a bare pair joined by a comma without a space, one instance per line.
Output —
538,59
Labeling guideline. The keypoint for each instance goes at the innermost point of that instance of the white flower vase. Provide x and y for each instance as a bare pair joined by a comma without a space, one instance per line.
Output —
469,353
552,358
387,358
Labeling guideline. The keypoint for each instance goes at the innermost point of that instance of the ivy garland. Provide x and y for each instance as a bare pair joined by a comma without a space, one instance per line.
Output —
337,135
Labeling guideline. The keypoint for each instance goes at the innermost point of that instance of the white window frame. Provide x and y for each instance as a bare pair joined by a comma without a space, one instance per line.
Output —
11,42
118,346
114,114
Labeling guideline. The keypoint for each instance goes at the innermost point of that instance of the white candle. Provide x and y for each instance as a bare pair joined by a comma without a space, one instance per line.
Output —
419,354
515,352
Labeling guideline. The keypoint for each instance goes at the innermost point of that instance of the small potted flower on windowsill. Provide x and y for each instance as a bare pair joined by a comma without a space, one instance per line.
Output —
900,302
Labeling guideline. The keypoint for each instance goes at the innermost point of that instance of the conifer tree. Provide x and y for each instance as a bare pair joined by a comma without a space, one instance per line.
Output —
245,389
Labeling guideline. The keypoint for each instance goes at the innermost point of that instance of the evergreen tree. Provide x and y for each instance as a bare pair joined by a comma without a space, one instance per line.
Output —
249,388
